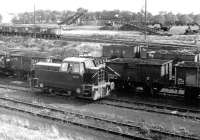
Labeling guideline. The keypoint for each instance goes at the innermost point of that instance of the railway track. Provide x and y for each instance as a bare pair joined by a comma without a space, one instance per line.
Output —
80,38
121,41
168,95
68,117
132,129
127,130
152,107
173,96
166,107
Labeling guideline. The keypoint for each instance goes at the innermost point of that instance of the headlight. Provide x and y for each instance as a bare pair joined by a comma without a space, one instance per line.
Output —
41,85
78,90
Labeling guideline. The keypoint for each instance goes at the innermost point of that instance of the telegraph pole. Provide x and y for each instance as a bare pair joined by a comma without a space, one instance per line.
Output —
145,16
34,14
34,31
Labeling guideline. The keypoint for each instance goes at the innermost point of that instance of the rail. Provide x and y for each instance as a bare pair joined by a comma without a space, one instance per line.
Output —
127,129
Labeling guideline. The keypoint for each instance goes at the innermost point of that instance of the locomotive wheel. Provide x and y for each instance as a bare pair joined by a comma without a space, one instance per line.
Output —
45,90
148,90
119,85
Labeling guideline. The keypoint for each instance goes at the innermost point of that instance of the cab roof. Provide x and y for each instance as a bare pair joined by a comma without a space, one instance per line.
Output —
48,64
76,59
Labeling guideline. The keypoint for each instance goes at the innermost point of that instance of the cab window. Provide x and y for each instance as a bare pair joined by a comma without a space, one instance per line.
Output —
64,67
81,68
76,68
70,67
89,64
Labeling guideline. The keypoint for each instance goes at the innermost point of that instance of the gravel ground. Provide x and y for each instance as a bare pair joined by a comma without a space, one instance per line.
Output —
133,35
146,119
18,126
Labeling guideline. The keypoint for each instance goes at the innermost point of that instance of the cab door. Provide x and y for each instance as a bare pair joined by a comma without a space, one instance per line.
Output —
72,74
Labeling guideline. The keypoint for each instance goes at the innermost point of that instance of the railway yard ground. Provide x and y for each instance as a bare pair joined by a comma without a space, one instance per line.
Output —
76,42
18,126
30,114
129,113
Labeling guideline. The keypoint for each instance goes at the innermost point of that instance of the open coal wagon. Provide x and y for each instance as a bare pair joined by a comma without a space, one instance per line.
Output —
151,74
187,77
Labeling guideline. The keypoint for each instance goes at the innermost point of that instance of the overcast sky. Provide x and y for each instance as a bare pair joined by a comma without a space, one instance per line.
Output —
154,6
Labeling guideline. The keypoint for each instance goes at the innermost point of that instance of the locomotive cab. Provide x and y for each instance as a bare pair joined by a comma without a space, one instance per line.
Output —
74,74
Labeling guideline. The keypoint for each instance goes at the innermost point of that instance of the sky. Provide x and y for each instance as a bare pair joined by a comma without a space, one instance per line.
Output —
154,6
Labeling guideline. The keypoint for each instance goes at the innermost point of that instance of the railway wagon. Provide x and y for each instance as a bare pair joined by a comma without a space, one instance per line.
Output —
174,55
75,75
38,31
21,30
6,29
21,63
4,64
151,74
123,51
187,76
45,31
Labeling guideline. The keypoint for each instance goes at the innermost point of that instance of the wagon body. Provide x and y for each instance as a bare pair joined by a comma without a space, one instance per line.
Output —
122,51
187,77
141,72
176,56
188,74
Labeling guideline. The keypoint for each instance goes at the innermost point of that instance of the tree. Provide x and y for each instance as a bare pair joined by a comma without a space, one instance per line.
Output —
164,18
184,19
197,19
15,20
170,18
159,19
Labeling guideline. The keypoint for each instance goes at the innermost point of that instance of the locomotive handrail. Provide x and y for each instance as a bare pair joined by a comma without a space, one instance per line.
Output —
94,74
113,71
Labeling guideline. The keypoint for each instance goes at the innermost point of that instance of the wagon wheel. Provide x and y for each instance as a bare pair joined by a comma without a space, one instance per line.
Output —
188,96
130,88
118,85
45,91
192,96
157,88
